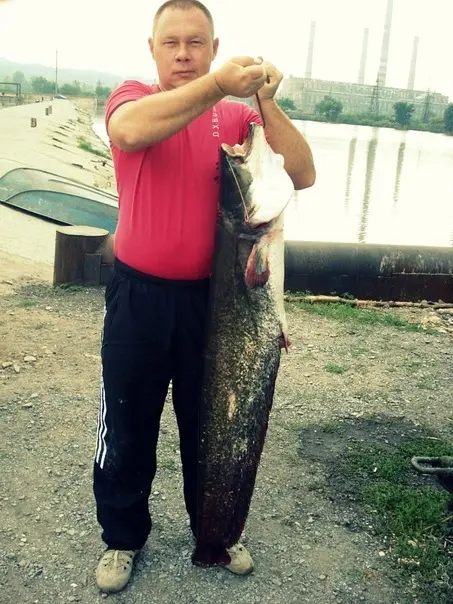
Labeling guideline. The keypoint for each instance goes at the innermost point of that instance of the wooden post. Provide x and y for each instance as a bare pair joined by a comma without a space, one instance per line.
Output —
33,122
72,245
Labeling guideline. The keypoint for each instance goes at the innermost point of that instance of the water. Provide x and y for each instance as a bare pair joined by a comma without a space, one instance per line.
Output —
374,185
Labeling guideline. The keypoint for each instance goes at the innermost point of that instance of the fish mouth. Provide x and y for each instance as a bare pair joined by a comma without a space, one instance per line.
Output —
256,186
240,153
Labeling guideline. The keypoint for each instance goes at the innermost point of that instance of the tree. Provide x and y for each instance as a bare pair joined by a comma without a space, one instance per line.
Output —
448,119
286,104
73,89
403,113
41,85
102,92
330,108
19,78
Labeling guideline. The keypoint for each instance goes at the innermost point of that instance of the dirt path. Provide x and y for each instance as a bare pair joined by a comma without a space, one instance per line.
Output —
306,545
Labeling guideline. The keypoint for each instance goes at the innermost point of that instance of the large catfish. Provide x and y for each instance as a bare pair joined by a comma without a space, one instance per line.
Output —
246,332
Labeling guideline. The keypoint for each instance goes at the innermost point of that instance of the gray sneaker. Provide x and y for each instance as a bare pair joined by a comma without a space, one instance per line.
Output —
114,569
241,562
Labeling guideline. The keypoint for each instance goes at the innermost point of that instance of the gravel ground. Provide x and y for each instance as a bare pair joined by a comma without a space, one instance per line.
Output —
303,543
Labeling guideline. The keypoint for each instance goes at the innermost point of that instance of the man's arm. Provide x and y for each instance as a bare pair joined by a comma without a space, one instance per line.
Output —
153,118
283,136
149,120
107,249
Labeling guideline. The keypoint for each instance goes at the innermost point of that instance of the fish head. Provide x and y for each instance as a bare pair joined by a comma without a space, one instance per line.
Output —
255,187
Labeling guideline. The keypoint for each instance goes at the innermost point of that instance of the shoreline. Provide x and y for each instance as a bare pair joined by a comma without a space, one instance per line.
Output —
54,145
367,121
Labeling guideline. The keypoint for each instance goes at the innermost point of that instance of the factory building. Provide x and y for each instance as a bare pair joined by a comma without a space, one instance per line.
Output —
307,92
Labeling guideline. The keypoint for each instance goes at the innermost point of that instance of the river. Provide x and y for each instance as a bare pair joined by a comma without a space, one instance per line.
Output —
374,185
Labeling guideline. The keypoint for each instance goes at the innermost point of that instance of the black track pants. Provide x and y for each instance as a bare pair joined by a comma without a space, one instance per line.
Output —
154,332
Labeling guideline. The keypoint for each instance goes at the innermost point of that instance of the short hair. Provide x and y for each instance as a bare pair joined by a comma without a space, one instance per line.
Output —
184,5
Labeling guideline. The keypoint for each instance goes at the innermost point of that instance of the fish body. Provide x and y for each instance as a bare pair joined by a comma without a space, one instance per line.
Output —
246,331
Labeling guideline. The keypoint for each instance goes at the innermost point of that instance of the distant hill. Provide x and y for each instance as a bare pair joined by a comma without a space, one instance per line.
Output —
65,75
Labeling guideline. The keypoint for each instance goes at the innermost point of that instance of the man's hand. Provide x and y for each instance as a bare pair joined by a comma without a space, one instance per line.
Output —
274,77
241,77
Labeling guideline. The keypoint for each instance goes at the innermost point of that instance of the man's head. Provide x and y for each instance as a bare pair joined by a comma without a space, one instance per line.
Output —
183,43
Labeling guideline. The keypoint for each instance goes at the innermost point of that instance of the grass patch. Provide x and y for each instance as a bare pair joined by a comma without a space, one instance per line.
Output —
426,383
27,303
408,513
44,290
364,316
334,368
413,365
333,428
170,465
87,146
67,288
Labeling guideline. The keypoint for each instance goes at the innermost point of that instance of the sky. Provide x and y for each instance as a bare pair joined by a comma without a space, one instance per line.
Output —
112,36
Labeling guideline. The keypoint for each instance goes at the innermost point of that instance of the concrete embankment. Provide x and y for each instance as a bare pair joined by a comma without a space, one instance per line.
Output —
62,143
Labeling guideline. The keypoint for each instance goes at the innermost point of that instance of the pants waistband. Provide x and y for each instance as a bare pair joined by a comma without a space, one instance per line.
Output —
128,271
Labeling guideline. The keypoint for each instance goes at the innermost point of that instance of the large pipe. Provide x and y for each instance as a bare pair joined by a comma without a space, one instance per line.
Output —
370,271
411,81
362,69
311,46
365,271
382,74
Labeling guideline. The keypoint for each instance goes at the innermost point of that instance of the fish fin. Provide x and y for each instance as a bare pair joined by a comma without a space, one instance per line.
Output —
257,271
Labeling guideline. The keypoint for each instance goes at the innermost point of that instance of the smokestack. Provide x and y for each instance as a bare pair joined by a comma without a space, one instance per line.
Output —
361,78
382,74
411,82
311,46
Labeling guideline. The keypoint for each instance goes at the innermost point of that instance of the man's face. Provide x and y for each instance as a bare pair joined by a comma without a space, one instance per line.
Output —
183,46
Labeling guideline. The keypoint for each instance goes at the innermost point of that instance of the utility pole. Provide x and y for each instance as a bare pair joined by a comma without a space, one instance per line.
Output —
56,72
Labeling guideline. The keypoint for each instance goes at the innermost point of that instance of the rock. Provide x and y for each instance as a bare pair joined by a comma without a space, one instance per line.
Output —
6,364
29,358
16,367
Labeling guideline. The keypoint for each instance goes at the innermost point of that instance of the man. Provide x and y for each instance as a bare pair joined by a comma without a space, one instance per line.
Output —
165,142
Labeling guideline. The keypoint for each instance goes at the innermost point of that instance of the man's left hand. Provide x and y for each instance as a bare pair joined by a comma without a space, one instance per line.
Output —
274,77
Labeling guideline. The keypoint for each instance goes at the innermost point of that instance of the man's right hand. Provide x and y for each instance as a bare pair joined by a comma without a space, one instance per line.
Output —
241,77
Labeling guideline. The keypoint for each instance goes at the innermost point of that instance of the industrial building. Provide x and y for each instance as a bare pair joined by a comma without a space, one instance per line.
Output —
358,97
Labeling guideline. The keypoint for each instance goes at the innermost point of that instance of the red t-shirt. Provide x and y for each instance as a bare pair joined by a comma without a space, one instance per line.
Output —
169,192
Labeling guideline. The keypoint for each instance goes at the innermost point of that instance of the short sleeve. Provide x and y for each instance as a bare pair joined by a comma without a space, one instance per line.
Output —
130,90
